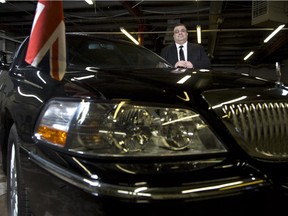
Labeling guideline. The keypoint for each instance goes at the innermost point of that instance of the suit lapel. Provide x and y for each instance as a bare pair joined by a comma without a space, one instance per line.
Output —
175,54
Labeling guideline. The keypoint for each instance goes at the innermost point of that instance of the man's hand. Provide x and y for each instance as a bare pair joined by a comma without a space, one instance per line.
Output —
183,64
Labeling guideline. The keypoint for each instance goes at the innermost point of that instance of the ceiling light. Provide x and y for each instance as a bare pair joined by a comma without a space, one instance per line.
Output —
273,33
90,2
248,56
198,28
2,1
129,35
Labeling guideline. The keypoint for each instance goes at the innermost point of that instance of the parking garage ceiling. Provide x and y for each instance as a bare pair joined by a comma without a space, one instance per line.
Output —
230,29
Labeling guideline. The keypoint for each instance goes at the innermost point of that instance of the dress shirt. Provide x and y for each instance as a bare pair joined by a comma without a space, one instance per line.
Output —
184,50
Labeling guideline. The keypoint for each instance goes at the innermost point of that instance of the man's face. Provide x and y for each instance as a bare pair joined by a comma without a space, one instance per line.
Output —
180,34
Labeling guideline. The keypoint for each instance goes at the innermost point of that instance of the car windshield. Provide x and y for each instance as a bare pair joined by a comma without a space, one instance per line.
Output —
100,53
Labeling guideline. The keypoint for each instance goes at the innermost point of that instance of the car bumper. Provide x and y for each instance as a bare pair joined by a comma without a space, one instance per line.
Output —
194,190
64,192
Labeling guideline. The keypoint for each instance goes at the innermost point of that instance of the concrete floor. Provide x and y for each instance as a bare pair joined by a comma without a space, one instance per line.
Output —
3,193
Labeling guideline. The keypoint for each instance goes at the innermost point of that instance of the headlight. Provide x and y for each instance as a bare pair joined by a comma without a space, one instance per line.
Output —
117,129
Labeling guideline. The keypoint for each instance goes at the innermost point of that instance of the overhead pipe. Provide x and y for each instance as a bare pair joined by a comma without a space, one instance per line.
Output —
140,34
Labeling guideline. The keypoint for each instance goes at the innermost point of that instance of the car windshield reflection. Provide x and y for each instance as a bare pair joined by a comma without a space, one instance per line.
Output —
111,55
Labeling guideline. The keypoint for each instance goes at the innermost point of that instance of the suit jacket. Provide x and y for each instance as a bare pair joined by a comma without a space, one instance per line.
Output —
195,54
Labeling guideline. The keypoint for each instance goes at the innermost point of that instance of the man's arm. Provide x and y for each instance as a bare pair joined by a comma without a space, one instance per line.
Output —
198,56
205,61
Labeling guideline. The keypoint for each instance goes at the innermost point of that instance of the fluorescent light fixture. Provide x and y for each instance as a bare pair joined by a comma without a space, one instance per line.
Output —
129,35
248,56
90,2
198,28
274,33
2,1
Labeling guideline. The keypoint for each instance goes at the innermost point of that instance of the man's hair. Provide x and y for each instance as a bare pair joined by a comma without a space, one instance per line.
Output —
179,24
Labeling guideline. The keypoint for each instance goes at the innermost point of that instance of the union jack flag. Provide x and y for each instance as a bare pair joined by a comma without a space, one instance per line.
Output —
48,37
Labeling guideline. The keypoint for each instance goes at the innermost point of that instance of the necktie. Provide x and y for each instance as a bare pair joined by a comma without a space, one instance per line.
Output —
181,53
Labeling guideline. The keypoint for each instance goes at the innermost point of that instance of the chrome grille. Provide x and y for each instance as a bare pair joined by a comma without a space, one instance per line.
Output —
260,128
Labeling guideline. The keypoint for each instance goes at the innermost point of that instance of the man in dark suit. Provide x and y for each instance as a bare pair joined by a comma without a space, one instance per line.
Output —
194,54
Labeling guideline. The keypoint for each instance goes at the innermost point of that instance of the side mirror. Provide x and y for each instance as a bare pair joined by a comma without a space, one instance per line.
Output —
4,65
3,58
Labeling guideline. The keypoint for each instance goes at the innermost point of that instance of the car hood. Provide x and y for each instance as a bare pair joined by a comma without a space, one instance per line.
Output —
160,85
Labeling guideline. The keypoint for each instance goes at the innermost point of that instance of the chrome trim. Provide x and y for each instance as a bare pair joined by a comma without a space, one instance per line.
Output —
144,193
260,128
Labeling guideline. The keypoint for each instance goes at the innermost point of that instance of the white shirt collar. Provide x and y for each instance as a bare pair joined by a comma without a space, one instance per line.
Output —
184,45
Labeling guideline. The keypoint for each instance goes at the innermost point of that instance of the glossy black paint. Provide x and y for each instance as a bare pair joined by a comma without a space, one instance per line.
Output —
56,183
